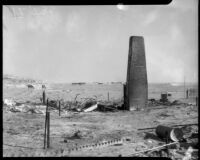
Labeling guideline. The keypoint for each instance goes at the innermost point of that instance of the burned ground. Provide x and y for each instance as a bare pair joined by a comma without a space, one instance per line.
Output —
96,133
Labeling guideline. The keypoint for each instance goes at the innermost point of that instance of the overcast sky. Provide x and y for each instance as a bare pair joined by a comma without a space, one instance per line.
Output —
90,43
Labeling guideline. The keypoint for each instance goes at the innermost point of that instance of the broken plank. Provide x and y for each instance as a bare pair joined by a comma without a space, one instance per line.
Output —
170,126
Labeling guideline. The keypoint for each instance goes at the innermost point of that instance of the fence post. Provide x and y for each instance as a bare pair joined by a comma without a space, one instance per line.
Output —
47,108
45,132
48,131
44,97
125,97
196,101
59,108
46,124
187,93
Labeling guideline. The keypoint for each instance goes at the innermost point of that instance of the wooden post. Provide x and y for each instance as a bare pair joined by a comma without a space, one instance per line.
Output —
48,130
184,86
45,129
46,125
187,93
108,96
196,101
44,97
59,108
125,98
47,108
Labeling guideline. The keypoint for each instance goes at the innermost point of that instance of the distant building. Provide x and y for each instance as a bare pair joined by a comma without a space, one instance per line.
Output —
79,83
98,83
30,86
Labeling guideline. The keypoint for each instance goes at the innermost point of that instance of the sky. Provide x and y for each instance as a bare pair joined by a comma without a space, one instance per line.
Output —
90,43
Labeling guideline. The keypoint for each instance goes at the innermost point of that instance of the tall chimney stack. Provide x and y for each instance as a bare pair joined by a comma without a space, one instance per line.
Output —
136,94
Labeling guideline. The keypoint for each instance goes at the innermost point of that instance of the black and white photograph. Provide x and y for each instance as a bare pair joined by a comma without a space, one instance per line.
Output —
115,80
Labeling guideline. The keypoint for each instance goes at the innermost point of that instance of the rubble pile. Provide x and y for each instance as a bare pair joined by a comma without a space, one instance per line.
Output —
186,143
153,102
25,108
76,106
87,105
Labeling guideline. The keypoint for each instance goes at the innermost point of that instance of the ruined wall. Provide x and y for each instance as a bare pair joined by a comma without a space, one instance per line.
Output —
136,85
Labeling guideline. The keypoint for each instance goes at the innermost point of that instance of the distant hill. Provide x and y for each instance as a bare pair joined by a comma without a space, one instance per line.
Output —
15,79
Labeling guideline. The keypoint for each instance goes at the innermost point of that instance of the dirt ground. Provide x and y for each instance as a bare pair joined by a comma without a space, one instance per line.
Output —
23,132
94,133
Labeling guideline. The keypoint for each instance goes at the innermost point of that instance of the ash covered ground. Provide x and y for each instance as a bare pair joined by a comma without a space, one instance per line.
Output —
96,133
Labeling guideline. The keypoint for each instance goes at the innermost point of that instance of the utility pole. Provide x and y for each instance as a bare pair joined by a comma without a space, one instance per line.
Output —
184,87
